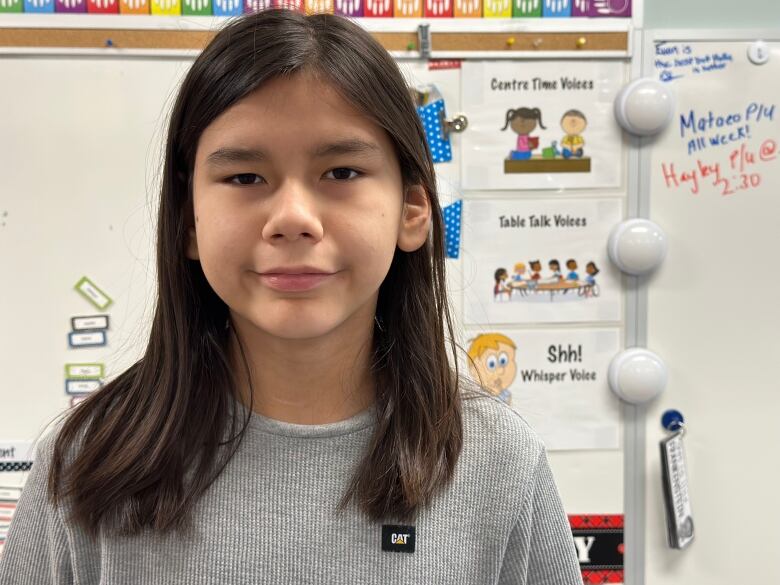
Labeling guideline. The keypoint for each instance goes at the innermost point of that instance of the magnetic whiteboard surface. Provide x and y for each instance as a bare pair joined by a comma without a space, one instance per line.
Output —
80,149
713,316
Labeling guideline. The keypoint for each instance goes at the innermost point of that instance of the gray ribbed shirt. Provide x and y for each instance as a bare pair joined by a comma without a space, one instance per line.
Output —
270,518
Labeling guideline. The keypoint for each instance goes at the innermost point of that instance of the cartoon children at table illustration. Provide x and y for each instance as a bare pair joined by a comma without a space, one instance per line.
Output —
492,363
573,123
523,121
553,285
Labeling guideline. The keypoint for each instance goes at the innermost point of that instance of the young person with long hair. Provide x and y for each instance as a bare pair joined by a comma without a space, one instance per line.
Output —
298,415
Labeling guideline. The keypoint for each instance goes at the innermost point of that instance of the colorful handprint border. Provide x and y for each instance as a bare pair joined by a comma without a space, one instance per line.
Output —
350,8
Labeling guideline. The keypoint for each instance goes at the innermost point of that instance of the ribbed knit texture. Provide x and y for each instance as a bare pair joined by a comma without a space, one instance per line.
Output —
271,518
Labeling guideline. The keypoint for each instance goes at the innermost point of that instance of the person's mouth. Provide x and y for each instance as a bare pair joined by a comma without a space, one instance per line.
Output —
294,278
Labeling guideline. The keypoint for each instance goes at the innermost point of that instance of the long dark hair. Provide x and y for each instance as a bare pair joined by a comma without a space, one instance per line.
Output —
165,419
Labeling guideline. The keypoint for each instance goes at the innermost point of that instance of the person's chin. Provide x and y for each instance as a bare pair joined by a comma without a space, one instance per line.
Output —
299,326
295,331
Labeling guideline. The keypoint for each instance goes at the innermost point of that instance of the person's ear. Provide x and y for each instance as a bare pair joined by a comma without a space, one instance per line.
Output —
415,219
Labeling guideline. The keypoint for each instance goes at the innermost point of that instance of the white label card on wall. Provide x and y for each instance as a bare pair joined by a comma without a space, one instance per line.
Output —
541,125
82,386
16,451
539,261
556,379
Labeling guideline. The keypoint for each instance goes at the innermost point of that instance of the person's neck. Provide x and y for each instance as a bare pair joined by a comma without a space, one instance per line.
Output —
306,381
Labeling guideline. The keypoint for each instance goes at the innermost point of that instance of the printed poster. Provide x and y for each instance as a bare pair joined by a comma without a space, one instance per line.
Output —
555,379
539,261
541,124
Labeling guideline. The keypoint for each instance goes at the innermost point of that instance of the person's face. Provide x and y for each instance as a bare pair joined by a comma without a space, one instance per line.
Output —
573,124
571,265
496,368
590,269
295,241
523,125
536,266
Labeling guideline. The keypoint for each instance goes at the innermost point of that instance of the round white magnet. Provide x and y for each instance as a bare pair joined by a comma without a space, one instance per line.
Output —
637,246
637,375
758,52
644,107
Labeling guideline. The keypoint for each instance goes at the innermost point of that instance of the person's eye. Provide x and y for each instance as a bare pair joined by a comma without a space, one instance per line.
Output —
503,359
340,174
491,362
244,179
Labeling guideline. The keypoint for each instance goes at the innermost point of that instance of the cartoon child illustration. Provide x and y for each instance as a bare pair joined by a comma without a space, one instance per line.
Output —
555,268
500,287
571,265
573,123
523,121
592,271
492,363
536,270
592,289
518,277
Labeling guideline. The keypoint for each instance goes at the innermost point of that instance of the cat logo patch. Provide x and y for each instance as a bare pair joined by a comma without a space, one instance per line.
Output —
397,538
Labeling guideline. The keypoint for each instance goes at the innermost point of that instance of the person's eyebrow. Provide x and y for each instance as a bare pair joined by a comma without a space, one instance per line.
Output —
347,146
227,155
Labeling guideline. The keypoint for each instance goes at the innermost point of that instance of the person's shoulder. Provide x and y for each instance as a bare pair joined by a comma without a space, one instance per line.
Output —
489,417
496,432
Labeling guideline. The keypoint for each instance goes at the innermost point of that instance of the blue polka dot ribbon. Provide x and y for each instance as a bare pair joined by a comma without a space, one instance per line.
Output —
432,116
451,215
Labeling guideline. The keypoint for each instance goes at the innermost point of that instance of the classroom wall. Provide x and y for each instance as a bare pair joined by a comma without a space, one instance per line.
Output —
710,13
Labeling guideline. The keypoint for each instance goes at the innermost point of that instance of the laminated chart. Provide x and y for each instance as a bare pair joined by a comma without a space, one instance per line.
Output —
556,379
539,261
542,125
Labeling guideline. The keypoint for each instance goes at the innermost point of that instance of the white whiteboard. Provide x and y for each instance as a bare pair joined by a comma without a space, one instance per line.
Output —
81,147
713,315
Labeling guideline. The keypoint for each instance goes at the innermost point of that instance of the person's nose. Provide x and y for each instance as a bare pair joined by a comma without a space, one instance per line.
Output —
293,214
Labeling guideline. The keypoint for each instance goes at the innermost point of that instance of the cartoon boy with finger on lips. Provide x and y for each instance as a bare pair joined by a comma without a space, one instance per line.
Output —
492,363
